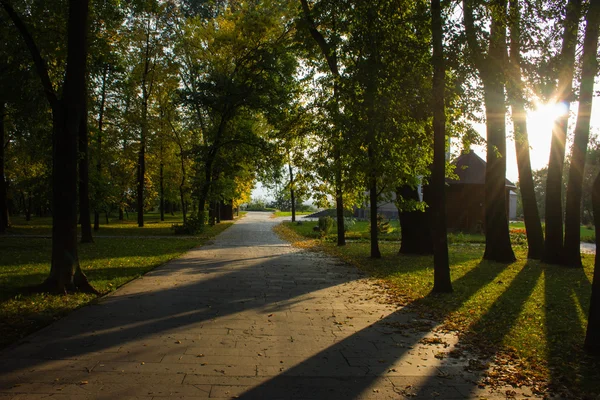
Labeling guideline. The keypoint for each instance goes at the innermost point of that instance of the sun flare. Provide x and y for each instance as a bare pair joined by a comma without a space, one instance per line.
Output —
539,125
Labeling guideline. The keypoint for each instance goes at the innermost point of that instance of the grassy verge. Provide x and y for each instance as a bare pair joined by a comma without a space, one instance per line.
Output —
108,263
153,226
528,314
289,213
586,233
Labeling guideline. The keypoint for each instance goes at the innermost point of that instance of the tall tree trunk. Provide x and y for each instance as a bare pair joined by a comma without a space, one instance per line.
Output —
162,191
441,264
292,195
553,245
533,225
29,209
572,251
4,222
416,235
99,145
375,253
84,181
65,272
490,67
592,337
329,52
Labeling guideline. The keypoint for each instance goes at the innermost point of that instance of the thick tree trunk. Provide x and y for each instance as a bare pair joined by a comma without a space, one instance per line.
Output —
441,265
65,272
84,182
497,238
553,244
592,337
533,225
4,221
121,216
572,251
416,235
29,208
490,67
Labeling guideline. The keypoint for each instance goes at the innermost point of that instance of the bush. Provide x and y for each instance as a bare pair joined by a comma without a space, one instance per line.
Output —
383,225
348,223
325,225
192,226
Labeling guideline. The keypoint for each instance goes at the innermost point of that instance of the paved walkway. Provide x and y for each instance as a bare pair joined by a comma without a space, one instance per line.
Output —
246,317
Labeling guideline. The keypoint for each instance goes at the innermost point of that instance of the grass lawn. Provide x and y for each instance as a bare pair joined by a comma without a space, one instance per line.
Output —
153,226
289,213
108,263
532,314
587,234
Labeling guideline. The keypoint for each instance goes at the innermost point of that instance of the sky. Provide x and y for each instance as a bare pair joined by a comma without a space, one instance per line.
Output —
539,125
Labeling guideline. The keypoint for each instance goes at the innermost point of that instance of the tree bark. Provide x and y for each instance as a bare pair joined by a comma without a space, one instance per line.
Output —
414,225
533,225
441,265
4,221
490,67
553,244
65,272
330,53
292,195
99,145
162,191
375,253
592,337
572,246
84,181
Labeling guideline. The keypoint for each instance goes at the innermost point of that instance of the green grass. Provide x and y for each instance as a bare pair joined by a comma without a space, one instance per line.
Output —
586,233
529,313
289,213
358,231
108,263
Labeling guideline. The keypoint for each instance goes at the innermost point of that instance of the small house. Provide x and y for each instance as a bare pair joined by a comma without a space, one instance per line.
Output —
465,196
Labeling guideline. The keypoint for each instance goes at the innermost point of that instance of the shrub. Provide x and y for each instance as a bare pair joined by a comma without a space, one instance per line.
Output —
192,226
325,225
348,223
383,225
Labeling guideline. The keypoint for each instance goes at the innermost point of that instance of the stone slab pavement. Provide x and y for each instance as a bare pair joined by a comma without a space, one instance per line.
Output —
248,317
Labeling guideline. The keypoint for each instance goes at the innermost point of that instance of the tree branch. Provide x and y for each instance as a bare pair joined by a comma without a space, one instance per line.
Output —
325,47
40,64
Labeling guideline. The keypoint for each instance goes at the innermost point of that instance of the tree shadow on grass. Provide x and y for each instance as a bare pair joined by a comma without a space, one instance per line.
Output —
567,296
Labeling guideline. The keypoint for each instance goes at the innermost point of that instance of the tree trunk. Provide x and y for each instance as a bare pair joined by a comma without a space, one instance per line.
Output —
162,192
292,196
416,236
572,248
4,221
375,253
592,337
490,67
553,245
121,216
533,225
29,208
84,181
441,265
65,272
99,144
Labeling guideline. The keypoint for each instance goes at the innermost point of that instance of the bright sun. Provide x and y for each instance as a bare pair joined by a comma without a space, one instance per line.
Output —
539,125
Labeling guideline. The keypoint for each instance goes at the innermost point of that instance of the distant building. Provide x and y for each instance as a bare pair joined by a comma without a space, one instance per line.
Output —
465,196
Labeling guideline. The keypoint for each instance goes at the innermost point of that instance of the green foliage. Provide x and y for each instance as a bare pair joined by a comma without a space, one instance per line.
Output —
325,225
192,226
383,225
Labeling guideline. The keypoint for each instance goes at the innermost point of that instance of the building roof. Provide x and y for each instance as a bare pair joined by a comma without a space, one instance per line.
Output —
470,169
